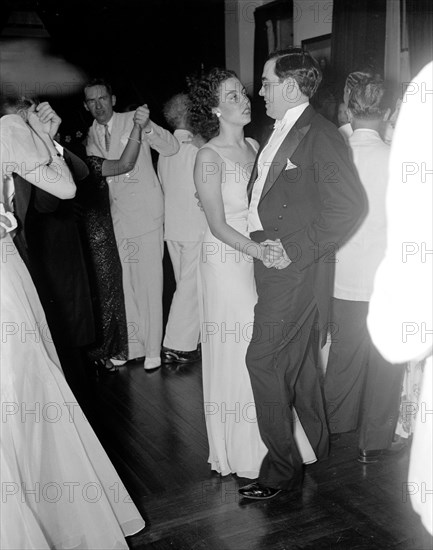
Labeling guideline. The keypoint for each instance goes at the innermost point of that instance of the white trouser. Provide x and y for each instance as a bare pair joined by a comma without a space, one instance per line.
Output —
141,259
183,326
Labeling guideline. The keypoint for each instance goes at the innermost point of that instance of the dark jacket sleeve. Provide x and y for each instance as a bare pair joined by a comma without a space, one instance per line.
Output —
341,196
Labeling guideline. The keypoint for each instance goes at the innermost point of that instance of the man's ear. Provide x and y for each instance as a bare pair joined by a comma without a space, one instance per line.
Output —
291,88
349,115
113,100
346,95
85,106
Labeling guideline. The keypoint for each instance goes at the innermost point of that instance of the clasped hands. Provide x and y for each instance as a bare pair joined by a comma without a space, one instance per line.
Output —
142,116
274,254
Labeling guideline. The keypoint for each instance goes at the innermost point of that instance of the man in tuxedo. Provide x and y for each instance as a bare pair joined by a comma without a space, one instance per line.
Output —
137,209
305,196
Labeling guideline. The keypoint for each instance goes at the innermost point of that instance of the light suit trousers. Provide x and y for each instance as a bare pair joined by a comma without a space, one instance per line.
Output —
142,272
182,332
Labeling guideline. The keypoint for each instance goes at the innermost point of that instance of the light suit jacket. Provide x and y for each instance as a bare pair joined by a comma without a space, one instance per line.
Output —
137,205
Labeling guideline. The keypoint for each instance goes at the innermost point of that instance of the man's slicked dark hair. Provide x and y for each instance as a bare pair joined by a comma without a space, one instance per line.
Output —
366,99
300,65
99,81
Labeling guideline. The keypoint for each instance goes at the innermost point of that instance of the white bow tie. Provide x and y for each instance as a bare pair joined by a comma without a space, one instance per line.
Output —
279,124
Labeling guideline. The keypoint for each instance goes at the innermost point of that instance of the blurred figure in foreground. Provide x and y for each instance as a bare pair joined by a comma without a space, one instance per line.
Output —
400,317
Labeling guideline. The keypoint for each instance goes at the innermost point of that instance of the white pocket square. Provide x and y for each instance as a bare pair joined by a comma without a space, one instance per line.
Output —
290,165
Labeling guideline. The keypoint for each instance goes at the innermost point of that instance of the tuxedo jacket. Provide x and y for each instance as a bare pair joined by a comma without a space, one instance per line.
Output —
136,198
312,201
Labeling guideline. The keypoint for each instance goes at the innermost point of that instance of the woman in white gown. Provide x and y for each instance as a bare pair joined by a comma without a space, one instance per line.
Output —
220,110
59,488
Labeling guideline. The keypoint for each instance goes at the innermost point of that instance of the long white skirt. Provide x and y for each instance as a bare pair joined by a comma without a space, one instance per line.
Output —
59,488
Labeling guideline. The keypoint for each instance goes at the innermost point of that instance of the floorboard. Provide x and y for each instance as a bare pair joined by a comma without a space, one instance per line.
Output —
152,426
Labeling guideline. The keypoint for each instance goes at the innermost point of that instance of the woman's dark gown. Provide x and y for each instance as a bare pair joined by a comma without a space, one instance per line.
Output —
105,269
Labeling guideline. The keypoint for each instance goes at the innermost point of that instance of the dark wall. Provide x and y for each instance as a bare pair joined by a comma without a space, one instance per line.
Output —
144,47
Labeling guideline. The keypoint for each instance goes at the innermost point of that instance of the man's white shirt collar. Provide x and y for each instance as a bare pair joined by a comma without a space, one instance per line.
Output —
290,117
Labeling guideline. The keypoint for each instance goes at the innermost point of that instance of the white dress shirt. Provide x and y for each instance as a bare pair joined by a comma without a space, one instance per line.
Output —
281,129
346,131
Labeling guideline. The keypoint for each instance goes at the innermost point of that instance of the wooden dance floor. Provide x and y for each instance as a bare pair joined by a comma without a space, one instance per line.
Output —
152,426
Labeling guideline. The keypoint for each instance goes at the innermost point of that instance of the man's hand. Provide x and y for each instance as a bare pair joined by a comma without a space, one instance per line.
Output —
4,222
275,254
48,118
142,116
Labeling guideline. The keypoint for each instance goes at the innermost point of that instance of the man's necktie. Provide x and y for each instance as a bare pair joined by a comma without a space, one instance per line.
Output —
107,137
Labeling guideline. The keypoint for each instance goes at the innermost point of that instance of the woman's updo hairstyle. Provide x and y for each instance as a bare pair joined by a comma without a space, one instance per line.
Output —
204,96
16,105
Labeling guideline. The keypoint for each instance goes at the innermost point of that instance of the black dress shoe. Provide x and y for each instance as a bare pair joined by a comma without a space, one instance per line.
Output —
174,356
398,444
369,457
258,492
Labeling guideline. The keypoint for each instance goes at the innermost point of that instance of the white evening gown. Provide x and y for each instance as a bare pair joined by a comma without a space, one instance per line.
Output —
59,488
227,299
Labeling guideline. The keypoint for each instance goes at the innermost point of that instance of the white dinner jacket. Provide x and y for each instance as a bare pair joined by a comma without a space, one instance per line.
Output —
184,221
136,198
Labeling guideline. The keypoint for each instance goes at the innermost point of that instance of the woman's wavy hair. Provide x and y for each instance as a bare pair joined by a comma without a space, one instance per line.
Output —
298,64
204,96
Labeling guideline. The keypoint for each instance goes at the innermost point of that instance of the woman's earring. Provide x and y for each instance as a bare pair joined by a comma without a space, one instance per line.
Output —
218,114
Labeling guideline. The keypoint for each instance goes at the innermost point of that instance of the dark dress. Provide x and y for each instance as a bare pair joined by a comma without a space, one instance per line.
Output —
105,269
58,269
49,242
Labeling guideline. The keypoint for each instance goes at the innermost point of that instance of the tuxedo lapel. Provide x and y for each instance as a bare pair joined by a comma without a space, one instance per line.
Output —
254,172
288,147
285,152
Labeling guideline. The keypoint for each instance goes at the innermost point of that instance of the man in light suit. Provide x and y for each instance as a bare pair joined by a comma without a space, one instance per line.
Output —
183,231
137,210
307,198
